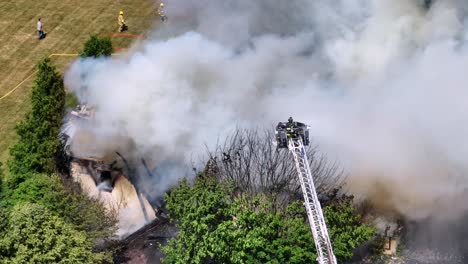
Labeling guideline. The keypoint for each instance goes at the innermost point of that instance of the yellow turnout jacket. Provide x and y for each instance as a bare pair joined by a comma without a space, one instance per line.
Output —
121,20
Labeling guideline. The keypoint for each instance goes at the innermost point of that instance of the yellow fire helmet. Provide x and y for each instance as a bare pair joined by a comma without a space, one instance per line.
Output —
121,13
161,4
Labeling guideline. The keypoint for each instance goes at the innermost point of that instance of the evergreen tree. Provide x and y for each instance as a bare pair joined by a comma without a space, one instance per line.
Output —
38,142
97,47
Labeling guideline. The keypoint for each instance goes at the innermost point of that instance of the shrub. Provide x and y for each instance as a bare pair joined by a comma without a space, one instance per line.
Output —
74,207
97,47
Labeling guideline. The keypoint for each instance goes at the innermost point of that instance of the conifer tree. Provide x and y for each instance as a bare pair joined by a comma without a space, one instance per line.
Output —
97,47
38,142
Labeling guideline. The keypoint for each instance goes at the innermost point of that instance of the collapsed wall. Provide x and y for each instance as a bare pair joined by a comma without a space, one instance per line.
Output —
104,173
122,199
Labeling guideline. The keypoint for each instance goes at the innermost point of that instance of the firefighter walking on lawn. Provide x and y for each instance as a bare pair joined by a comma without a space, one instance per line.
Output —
122,25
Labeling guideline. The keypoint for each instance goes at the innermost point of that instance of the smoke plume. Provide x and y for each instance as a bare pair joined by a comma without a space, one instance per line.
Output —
381,82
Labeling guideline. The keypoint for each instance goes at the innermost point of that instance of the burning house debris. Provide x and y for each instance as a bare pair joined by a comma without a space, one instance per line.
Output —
380,82
82,111
105,169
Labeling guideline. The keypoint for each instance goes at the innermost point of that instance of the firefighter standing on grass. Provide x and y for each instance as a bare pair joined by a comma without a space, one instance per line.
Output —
161,12
122,25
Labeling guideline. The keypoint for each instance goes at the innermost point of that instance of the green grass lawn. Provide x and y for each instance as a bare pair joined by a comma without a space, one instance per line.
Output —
68,24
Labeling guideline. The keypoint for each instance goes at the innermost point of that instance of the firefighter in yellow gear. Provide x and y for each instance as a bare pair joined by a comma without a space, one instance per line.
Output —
161,12
122,25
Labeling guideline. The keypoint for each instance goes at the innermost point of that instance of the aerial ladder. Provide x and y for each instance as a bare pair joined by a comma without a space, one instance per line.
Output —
295,136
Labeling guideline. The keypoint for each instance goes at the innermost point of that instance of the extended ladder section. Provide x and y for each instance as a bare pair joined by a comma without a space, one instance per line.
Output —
314,210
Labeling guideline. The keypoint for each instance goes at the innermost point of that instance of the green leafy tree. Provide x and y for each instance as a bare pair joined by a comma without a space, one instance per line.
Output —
347,230
97,47
84,213
216,227
198,210
38,144
38,236
254,234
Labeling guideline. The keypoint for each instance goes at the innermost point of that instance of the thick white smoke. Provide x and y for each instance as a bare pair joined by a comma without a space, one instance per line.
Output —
381,82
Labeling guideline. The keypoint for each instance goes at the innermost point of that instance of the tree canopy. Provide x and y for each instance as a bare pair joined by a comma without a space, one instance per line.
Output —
35,235
84,213
216,226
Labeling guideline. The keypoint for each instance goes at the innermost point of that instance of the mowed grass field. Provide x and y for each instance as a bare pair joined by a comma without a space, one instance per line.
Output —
68,24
